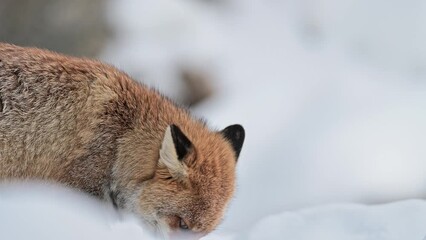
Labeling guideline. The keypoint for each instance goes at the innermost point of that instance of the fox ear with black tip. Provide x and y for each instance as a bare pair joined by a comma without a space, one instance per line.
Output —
174,149
235,134
182,144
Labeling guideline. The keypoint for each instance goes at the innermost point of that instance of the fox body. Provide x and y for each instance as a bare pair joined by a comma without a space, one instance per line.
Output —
89,126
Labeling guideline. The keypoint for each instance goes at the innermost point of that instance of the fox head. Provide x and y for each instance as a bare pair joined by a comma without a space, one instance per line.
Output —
194,180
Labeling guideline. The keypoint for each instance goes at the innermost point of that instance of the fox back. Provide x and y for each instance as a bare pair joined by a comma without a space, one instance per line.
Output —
89,126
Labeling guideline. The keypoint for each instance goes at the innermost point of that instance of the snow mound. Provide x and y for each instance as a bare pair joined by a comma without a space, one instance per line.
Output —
393,221
399,220
43,211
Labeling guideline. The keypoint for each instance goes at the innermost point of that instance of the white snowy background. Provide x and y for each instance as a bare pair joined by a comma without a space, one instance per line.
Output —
332,95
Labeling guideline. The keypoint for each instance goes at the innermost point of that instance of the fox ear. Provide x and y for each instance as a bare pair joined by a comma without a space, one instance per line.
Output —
173,150
235,134
181,142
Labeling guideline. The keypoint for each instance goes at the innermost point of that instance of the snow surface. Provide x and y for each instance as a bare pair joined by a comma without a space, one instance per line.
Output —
395,221
40,211
401,220
43,211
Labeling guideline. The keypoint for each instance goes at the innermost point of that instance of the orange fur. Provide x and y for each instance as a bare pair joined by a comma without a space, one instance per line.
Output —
89,126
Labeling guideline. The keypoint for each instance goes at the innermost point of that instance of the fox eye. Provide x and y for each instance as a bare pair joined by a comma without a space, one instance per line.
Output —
183,225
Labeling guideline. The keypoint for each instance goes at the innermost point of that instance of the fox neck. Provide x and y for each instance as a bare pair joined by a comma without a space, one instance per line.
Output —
136,162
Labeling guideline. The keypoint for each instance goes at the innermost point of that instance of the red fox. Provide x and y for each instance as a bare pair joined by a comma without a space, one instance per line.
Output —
89,126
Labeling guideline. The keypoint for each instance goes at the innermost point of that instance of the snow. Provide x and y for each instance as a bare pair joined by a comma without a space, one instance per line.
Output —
402,220
41,211
395,221
44,211
331,94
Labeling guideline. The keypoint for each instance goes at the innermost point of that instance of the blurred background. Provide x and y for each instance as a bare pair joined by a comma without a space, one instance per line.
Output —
332,93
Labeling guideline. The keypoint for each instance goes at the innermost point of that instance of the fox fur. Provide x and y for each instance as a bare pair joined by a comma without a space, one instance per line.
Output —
89,126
